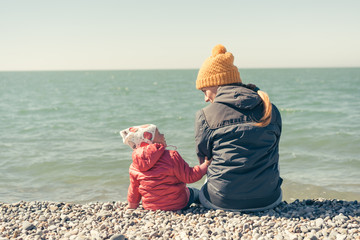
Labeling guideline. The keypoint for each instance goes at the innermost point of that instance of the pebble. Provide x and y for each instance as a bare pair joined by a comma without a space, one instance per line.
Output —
307,219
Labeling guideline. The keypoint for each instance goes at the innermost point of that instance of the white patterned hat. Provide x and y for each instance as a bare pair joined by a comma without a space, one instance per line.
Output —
138,136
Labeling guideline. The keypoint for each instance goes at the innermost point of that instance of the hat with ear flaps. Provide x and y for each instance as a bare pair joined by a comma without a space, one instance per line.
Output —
218,69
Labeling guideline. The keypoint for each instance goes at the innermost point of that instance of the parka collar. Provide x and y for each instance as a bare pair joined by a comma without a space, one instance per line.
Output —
237,96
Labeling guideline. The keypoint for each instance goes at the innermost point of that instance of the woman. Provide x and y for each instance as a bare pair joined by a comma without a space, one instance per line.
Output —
240,130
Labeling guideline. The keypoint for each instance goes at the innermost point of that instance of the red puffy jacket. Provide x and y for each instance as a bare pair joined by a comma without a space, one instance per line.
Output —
158,177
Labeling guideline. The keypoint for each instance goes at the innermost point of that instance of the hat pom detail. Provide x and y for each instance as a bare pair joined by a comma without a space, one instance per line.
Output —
218,49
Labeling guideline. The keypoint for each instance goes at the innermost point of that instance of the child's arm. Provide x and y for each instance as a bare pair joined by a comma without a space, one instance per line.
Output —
188,174
133,196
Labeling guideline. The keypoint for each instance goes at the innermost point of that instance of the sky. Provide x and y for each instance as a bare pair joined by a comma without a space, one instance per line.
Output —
126,35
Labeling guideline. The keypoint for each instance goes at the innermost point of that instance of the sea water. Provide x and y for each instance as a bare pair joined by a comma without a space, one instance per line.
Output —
59,130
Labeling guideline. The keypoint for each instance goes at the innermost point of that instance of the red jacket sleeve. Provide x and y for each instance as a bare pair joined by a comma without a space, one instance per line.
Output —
184,172
133,196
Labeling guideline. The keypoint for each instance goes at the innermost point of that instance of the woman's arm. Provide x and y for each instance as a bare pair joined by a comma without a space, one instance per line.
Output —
201,137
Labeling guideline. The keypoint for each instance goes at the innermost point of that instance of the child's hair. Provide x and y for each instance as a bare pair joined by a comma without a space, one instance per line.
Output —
139,136
266,118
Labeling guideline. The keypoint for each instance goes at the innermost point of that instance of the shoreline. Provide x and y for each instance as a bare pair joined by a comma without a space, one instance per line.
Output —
306,219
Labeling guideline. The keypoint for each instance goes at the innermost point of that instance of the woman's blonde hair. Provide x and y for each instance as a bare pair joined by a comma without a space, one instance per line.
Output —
266,118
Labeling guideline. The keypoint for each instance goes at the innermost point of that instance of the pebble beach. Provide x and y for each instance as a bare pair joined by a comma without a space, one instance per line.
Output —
305,219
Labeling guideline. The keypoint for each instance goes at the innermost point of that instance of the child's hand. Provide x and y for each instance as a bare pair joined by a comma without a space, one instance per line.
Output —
208,162
132,205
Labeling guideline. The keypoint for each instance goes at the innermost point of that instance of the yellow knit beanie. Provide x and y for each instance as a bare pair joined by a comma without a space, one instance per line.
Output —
219,69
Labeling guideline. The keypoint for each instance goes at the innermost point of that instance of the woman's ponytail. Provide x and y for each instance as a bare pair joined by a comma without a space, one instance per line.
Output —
266,119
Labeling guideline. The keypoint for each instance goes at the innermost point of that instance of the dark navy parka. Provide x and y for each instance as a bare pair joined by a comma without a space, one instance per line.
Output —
244,173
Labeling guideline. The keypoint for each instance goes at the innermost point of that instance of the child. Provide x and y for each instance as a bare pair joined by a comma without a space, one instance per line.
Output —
158,176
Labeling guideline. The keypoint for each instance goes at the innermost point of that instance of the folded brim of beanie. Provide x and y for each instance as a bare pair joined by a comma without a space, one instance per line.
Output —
223,78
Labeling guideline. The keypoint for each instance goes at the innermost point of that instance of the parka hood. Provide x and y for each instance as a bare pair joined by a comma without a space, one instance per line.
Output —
144,158
237,96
